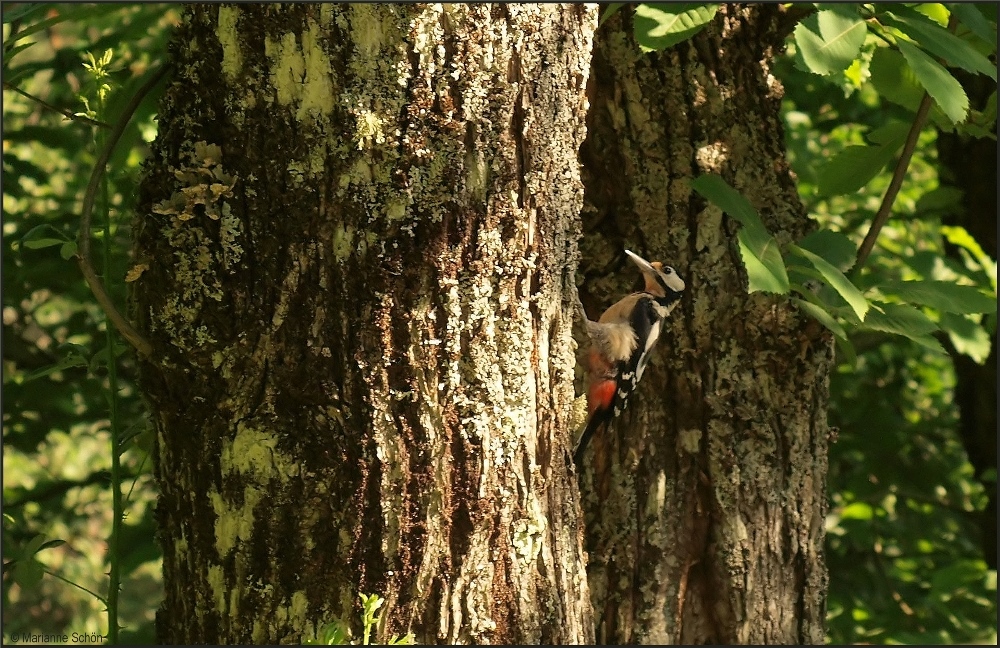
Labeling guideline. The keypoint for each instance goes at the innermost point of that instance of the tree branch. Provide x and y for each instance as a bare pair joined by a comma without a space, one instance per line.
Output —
897,176
902,164
83,242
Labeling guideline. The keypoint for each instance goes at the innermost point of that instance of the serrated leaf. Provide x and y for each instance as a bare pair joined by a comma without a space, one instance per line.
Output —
830,40
943,295
971,17
898,319
835,247
659,26
967,337
836,280
894,80
761,256
943,44
928,342
946,91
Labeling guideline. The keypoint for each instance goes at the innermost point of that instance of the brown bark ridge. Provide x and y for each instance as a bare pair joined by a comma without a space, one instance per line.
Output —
361,222
705,507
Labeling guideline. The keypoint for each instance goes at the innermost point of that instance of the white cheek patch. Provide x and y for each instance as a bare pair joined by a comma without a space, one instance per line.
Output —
673,281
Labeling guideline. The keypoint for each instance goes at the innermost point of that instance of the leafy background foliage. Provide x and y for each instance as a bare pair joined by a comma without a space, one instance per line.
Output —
906,529
56,427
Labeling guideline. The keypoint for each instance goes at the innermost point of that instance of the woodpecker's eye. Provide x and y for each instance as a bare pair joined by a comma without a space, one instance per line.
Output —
668,270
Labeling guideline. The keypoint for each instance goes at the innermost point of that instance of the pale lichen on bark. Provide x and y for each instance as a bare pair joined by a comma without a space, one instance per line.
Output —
383,337
697,505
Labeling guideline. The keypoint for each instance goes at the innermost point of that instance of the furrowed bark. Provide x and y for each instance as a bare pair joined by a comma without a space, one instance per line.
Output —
705,507
361,225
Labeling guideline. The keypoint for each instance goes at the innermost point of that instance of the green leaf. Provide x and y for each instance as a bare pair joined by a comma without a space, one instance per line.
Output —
960,237
49,544
43,236
714,188
821,316
894,80
889,134
855,166
102,357
836,280
9,54
662,25
942,200
835,247
943,44
967,337
946,91
761,256
28,573
66,12
943,295
610,10
857,511
68,362
335,633
928,342
68,250
971,17
831,39
765,270
958,574
22,11
34,546
902,320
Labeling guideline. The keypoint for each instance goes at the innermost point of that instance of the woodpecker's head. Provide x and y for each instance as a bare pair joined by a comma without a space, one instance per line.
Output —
662,281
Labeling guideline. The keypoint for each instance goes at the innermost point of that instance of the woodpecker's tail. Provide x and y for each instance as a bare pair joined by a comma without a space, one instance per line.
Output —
595,421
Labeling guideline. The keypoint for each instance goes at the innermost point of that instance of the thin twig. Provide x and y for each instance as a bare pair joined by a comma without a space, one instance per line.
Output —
69,582
83,242
897,182
62,111
885,209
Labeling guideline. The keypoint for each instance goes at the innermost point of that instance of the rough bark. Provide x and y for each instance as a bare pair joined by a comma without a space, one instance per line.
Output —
705,507
357,234
971,165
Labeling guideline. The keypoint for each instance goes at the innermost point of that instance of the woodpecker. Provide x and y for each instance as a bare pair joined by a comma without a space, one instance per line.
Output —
621,342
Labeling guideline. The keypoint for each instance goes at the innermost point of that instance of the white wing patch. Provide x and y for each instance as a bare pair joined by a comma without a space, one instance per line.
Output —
654,335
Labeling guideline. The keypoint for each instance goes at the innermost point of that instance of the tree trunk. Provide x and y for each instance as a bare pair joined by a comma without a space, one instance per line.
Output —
971,165
357,233
705,507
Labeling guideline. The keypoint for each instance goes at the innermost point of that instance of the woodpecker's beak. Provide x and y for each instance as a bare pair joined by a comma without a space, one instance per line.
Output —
644,265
